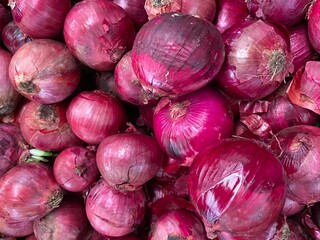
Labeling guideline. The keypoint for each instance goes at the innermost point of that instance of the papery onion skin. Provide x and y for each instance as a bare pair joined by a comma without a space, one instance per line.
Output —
314,25
101,42
43,70
45,126
232,191
75,168
203,9
310,221
258,48
92,234
13,37
114,213
28,192
296,149
178,224
9,97
291,207
15,229
40,19
185,125
95,115
171,58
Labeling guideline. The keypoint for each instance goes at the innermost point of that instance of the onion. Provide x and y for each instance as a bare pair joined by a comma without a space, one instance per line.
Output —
170,58
45,126
287,13
114,213
31,237
95,115
28,192
291,207
237,187
5,18
185,125
128,85
75,168
257,60
304,88
296,148
92,234
105,81
203,9
178,224
229,13
15,229
311,220
39,19
314,25
101,42
13,38
128,160
43,70
68,222
146,116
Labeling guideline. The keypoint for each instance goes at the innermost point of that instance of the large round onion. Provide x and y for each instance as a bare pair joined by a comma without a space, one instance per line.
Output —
43,70
174,54
101,42
314,25
237,187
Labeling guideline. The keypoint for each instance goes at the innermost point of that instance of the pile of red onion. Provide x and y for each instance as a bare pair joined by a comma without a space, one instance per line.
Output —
160,119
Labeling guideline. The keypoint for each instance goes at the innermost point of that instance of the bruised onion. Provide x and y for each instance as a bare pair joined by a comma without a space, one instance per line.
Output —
185,125
257,60
43,70
114,213
174,54
95,115
296,148
28,192
237,187
45,126
40,19
314,25
101,42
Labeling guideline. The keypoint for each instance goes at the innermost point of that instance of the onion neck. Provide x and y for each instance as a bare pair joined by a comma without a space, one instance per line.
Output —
277,63
179,109
159,3
46,112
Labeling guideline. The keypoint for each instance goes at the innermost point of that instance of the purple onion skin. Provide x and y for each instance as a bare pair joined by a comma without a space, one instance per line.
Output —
40,19
291,207
101,42
314,25
171,58
13,38
92,234
5,18
15,229
31,237
232,194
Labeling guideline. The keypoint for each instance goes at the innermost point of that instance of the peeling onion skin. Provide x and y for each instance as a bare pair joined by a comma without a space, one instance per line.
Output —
237,187
101,42
114,213
174,54
314,25
291,207
28,192
15,229
44,71
40,19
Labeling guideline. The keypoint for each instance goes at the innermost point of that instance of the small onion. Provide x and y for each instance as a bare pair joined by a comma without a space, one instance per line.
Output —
114,213
237,187
174,54
95,115
314,25
101,42
43,70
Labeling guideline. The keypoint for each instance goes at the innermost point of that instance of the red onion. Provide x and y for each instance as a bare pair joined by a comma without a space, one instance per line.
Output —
300,46
304,88
13,38
31,237
128,160
101,42
92,234
68,222
203,9
114,213
257,60
15,229
105,81
128,85
237,187
296,148
310,219
9,97
95,115
146,116
291,207
178,224
314,25
185,125
44,70
287,13
28,192
75,168
170,58
229,13
45,126
40,19
5,18
135,11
